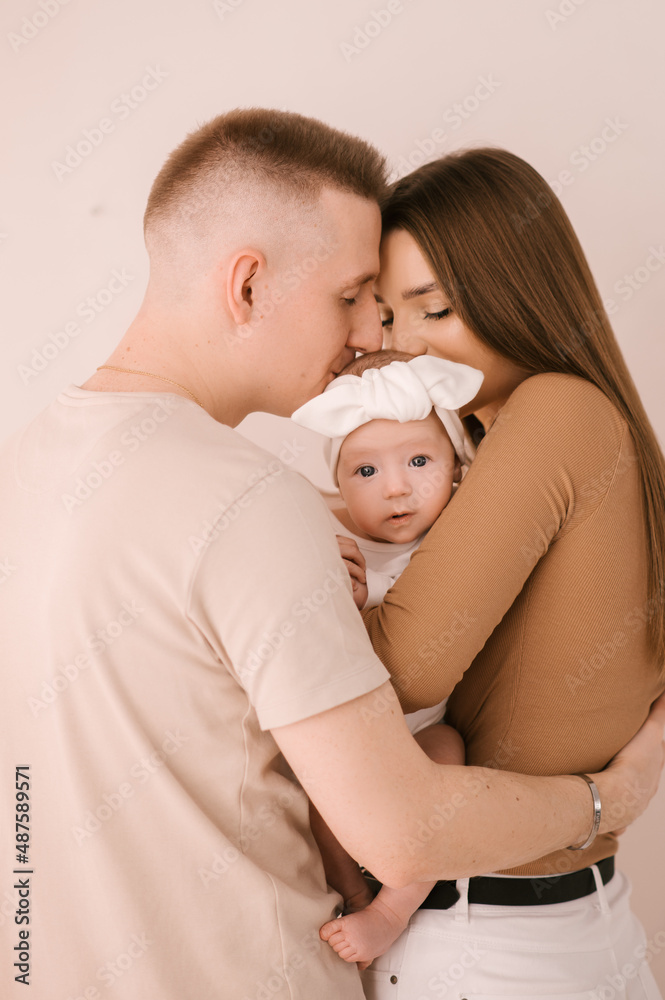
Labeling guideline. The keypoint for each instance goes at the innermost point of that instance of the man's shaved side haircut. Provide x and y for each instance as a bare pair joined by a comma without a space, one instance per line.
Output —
257,152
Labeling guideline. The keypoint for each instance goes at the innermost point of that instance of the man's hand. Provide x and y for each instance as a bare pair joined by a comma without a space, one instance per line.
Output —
354,561
412,820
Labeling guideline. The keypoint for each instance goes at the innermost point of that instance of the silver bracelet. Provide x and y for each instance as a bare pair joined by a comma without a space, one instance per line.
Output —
596,814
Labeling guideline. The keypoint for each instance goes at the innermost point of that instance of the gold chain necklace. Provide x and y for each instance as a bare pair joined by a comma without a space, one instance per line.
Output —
133,371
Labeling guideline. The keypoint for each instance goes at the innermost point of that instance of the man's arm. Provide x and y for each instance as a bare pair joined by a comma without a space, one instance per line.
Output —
408,819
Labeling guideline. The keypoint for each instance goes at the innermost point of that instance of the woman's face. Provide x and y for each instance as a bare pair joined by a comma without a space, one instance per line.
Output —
417,318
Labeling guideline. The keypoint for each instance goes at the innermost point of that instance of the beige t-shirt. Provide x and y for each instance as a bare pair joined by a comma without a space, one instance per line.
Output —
170,592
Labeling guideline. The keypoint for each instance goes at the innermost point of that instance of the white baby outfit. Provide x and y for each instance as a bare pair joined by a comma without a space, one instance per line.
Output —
385,561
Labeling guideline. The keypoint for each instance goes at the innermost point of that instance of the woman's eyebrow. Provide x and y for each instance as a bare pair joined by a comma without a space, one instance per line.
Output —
413,293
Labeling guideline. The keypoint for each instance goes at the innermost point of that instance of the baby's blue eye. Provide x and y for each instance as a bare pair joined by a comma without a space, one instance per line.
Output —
366,471
419,461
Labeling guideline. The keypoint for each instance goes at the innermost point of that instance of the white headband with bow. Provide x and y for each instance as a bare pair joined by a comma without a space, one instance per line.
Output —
402,390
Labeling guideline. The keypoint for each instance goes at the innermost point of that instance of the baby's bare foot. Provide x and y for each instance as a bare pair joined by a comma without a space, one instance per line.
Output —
361,937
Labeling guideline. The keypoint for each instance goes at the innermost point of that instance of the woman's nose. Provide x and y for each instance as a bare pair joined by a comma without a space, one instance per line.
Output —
402,339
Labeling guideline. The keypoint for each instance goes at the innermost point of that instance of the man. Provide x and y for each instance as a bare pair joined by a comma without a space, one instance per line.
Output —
177,613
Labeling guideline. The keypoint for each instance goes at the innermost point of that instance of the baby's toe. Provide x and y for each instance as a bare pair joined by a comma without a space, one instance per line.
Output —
328,929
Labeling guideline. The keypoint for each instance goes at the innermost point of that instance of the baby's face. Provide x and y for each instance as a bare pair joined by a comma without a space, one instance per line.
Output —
396,478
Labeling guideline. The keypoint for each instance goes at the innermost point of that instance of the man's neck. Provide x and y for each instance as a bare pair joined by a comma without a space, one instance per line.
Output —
151,363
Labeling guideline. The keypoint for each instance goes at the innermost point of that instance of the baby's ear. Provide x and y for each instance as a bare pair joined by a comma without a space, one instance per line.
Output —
457,474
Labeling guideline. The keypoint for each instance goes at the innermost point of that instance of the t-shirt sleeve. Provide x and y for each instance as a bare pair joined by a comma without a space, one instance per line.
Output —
543,468
272,596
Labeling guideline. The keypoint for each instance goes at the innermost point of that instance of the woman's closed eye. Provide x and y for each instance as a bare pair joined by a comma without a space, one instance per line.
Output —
440,314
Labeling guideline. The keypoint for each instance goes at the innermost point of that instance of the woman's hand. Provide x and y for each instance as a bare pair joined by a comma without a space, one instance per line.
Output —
354,561
631,779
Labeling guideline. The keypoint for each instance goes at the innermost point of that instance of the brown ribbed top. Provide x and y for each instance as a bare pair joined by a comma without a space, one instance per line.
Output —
527,599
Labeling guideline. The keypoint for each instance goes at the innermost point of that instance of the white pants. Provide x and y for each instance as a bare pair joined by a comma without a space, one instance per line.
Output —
592,948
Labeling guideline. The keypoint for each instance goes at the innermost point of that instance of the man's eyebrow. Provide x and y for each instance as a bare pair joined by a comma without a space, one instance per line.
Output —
361,279
413,293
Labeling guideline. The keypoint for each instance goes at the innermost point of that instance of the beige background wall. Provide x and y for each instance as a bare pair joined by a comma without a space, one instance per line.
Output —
574,86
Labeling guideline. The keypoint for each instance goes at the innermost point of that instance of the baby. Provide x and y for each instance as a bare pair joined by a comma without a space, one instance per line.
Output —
396,448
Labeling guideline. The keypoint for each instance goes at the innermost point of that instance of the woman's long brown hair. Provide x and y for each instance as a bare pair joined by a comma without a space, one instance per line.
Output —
504,252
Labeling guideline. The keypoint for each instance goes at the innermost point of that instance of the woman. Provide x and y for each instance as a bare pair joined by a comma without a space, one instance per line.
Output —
538,595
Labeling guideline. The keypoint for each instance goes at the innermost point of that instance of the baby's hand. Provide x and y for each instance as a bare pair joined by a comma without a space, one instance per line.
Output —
360,594
354,561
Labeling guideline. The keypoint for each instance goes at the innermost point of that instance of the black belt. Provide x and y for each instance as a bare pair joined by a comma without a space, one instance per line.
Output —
538,891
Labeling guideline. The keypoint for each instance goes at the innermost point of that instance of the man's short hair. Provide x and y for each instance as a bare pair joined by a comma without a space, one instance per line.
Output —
262,149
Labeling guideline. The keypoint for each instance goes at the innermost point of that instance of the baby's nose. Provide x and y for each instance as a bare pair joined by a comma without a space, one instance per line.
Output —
398,486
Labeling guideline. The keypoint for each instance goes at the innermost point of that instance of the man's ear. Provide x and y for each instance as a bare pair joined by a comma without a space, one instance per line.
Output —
457,474
243,271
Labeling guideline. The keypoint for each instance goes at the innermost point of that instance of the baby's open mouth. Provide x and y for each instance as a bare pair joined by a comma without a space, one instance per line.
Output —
397,517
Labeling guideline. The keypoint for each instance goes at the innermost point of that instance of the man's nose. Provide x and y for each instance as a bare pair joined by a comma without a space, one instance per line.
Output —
366,333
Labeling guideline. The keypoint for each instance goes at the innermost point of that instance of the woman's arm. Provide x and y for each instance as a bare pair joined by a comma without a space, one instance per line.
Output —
543,468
